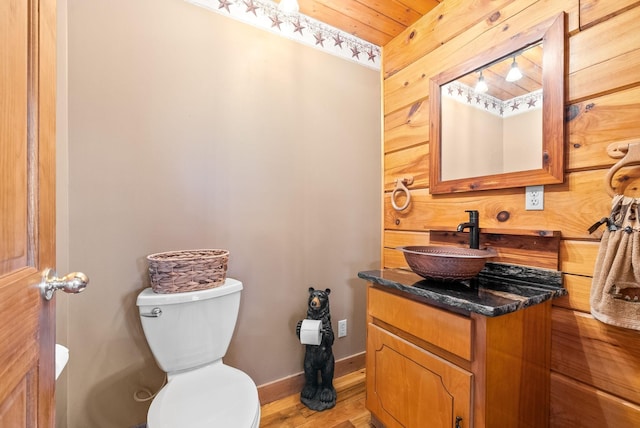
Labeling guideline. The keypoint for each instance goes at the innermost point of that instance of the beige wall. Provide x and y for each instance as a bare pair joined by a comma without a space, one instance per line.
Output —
523,141
481,143
473,139
187,130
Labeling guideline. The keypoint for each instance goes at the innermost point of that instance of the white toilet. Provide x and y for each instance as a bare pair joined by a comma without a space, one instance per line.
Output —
189,333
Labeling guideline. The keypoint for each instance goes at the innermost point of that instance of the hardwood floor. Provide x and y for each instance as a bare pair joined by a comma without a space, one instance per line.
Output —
349,411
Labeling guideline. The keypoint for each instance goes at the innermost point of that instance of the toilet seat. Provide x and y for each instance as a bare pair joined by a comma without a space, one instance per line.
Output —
212,396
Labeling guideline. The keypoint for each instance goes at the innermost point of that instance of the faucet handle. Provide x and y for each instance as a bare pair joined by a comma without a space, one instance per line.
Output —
473,215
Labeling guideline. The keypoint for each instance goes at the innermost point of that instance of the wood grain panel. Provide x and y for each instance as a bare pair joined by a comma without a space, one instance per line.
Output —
369,19
611,38
412,162
412,82
512,360
376,21
388,17
13,135
626,181
596,354
420,6
443,329
27,180
392,239
405,136
605,57
450,20
511,249
606,77
579,288
417,113
342,18
520,249
595,11
393,259
581,201
603,93
576,405
446,21
578,257
14,410
407,127
46,205
410,387
596,122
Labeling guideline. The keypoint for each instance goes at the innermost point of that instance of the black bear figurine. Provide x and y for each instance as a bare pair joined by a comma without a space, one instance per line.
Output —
319,358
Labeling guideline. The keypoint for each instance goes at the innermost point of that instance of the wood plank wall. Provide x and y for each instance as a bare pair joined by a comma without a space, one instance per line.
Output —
595,367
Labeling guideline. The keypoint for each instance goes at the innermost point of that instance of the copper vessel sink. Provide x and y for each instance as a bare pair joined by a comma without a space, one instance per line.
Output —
445,262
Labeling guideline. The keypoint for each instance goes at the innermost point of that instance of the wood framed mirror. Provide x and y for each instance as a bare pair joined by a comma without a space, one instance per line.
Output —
507,134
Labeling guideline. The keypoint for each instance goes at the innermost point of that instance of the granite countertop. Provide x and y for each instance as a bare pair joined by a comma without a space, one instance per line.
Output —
499,288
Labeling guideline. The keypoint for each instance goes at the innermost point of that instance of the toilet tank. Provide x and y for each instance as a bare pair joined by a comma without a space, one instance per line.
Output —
191,329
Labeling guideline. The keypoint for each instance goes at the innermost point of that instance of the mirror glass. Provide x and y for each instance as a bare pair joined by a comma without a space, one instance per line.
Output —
492,123
491,129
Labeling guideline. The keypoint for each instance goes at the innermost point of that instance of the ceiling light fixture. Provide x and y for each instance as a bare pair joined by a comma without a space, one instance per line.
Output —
289,6
481,86
514,73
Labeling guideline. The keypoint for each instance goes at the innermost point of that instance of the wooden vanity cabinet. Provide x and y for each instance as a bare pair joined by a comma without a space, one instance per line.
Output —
429,367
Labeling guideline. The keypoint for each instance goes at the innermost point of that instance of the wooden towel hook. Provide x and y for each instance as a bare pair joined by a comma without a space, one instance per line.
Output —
629,152
620,148
401,187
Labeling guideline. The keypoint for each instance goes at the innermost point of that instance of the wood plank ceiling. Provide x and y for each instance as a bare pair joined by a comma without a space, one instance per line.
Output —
379,21
376,21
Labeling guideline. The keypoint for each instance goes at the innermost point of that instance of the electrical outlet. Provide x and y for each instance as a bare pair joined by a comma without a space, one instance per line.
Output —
534,198
342,328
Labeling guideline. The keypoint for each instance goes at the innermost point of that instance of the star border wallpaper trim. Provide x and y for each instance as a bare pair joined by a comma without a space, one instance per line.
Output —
265,15
512,107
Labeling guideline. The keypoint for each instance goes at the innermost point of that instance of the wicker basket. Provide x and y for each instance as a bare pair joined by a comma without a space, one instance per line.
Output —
187,270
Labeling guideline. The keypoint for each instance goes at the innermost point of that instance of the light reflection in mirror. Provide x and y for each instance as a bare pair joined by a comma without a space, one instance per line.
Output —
497,130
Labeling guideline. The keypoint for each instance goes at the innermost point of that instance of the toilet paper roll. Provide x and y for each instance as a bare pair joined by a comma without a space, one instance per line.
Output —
311,332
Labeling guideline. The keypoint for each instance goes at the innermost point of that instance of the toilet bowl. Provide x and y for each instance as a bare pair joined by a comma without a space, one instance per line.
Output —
188,334
213,396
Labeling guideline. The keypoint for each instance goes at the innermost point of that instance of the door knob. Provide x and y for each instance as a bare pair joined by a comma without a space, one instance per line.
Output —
74,282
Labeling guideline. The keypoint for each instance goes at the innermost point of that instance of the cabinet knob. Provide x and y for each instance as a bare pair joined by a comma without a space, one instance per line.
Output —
458,420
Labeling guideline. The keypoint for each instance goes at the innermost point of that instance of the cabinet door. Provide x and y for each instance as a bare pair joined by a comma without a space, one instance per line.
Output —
410,387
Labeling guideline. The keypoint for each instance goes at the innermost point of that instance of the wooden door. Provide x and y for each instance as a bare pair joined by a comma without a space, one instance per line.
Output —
411,388
27,211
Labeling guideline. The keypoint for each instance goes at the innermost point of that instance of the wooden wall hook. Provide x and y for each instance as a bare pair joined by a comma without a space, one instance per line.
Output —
629,152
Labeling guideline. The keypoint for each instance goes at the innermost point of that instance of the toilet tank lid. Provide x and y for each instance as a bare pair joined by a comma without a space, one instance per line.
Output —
149,297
